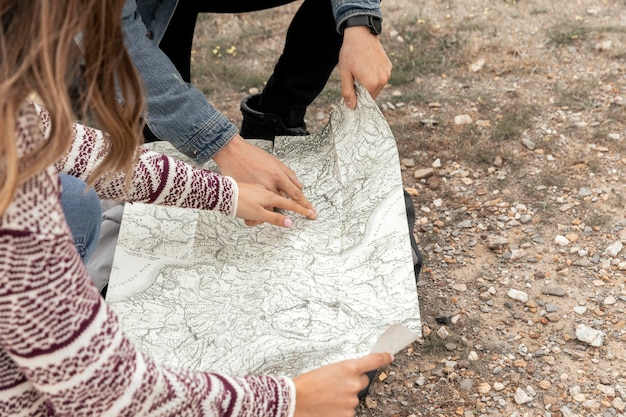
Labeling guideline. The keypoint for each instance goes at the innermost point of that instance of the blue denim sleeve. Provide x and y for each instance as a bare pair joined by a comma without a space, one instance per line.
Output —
177,111
343,9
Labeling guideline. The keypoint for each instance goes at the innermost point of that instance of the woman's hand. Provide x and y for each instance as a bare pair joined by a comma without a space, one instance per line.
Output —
331,391
256,205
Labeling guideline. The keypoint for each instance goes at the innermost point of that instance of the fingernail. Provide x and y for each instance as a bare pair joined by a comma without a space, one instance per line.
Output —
288,222
312,213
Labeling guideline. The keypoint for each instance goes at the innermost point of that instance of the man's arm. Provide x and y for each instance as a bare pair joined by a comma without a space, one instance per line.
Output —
179,113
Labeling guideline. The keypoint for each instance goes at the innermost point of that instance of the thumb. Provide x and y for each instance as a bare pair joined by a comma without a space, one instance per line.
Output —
373,361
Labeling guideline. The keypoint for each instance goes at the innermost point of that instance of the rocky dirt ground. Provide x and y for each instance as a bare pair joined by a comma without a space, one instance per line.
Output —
510,119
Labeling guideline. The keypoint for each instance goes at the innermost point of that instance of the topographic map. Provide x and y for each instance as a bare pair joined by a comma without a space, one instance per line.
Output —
198,290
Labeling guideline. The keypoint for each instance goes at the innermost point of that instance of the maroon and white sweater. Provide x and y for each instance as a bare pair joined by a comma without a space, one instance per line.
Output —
62,351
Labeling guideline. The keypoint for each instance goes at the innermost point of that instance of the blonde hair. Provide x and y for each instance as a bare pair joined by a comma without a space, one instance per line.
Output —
37,47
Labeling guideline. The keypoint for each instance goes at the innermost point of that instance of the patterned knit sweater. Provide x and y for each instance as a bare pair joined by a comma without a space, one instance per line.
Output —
62,351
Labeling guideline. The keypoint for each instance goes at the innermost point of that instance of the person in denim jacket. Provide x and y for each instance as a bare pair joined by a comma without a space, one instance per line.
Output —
322,34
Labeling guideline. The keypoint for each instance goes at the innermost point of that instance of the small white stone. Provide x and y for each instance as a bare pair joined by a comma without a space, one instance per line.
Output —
477,65
483,388
463,119
561,240
517,295
614,249
443,333
591,405
574,390
607,390
610,300
521,397
590,336
618,403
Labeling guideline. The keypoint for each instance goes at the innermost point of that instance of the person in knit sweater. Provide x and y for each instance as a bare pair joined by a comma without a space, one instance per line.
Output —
62,351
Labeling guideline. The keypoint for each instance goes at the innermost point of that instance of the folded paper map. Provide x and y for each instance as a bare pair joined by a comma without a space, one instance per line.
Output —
198,290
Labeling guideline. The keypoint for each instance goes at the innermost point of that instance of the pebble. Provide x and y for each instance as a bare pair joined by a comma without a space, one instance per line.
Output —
606,390
467,384
429,122
459,287
528,143
498,386
423,173
521,397
556,291
610,300
443,333
561,240
517,295
614,249
483,388
589,335
465,224
477,65
463,119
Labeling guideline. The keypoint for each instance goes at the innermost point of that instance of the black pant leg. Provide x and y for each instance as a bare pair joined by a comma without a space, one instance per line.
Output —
310,54
178,38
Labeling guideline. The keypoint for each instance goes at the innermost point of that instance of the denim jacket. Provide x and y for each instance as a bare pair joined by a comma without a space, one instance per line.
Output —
177,111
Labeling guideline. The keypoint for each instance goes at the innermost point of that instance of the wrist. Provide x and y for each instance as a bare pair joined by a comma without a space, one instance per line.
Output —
373,23
229,150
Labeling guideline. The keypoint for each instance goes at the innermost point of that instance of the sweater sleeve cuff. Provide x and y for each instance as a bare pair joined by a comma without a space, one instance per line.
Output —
235,196
292,394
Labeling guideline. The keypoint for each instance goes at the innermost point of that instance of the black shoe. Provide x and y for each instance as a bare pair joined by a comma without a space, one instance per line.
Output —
417,255
259,125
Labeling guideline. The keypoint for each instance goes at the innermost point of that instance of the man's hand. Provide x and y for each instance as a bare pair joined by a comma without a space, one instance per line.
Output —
362,58
247,163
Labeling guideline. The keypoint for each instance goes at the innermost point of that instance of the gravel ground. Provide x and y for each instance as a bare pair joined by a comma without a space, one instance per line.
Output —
516,158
